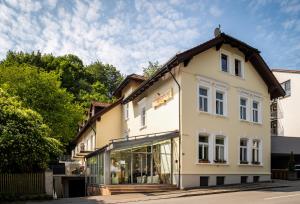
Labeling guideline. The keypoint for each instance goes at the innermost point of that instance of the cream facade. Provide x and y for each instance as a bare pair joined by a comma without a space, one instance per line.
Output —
204,71
202,119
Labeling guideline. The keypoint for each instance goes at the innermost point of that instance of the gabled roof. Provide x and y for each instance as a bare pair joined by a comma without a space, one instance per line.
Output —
293,71
251,54
94,118
131,77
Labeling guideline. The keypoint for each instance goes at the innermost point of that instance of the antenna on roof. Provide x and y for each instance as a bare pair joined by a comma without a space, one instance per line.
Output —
217,31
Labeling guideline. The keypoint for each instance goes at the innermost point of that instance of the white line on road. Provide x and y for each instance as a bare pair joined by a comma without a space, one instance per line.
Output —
285,196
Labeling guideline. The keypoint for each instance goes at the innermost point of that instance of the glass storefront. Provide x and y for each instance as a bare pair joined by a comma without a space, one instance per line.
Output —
95,169
149,164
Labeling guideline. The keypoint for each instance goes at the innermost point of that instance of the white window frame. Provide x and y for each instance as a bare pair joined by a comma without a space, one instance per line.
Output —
143,116
255,110
204,85
245,107
142,105
283,84
258,149
203,144
220,103
224,146
200,97
223,90
244,148
126,111
237,57
228,67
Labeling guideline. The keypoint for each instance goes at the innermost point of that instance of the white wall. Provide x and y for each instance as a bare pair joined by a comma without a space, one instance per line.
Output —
289,106
159,119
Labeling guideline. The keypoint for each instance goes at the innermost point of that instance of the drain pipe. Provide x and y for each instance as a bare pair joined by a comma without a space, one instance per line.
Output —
179,121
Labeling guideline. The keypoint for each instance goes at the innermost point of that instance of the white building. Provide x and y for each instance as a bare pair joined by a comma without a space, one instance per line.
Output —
285,111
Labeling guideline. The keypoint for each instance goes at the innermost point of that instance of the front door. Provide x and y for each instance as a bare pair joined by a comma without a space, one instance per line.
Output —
141,168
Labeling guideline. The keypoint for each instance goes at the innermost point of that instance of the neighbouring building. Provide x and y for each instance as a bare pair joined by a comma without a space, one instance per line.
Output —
284,119
203,119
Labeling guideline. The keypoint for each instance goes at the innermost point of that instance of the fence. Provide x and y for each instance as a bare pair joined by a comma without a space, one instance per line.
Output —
27,183
280,174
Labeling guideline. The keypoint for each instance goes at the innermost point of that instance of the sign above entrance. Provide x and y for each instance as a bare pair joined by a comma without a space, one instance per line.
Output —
162,98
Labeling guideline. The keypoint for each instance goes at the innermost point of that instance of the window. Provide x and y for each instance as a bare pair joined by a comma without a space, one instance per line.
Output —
143,116
126,111
287,87
220,180
255,152
255,111
203,99
238,68
243,151
224,63
204,180
255,179
203,148
244,179
220,150
219,103
243,109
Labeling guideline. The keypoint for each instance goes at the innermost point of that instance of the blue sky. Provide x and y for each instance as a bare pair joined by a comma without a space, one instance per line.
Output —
130,33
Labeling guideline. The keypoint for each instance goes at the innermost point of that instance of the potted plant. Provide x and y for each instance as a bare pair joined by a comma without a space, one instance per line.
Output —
292,174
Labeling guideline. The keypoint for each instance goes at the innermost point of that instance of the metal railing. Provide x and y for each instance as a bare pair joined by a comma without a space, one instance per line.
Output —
142,136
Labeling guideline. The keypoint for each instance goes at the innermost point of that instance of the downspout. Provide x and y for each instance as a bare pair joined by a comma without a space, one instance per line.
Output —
179,129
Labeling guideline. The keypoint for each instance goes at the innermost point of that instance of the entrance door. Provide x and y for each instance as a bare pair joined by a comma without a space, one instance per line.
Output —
141,168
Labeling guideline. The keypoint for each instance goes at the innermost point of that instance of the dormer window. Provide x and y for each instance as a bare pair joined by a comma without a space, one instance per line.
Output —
224,63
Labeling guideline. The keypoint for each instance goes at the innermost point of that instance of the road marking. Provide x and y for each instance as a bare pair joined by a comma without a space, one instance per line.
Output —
285,196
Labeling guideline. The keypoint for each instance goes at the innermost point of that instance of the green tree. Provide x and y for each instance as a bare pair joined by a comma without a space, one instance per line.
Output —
42,92
106,74
25,145
151,69
69,67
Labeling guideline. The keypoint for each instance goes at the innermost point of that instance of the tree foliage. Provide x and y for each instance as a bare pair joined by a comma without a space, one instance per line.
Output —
25,145
151,69
105,74
41,91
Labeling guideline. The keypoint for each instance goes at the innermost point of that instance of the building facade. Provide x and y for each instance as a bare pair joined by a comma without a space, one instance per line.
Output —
284,119
203,119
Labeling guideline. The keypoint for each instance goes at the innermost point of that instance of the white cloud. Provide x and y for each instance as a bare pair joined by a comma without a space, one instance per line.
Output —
215,11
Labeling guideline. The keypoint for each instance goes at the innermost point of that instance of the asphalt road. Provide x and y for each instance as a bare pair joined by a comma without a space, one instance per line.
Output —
288,195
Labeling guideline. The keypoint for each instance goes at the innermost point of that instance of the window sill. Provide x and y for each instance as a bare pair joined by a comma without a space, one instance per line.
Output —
221,116
143,127
212,164
250,122
203,112
250,165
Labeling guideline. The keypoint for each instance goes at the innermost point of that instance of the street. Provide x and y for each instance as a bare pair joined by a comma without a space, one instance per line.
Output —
290,195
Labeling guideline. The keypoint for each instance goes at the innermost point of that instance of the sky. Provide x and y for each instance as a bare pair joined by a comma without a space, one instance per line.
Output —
129,33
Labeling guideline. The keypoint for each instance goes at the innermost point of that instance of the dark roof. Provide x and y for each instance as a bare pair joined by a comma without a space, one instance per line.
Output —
251,54
287,71
95,117
131,77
